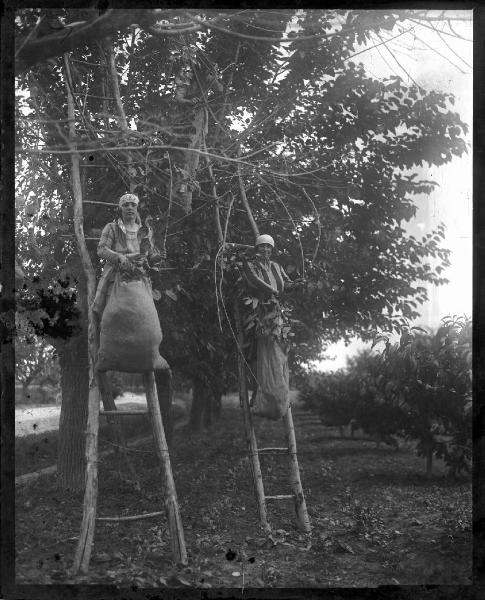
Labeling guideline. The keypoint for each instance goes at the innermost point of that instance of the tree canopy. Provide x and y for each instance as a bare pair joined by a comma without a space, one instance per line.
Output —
226,123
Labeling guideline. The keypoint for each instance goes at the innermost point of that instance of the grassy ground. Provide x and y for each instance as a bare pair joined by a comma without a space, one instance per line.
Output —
376,519
39,450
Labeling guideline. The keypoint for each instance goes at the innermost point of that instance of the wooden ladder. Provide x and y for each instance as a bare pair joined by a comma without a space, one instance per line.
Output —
86,539
297,494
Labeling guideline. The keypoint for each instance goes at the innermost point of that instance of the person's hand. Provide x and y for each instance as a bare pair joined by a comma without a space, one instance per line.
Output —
125,263
157,260
296,284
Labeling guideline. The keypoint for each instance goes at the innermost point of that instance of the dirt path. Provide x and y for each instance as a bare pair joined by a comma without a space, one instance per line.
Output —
46,418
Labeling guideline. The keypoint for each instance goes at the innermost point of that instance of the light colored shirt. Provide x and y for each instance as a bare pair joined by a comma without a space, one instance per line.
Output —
116,240
266,276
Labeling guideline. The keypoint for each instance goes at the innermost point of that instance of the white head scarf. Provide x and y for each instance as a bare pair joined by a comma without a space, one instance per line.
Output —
264,239
129,198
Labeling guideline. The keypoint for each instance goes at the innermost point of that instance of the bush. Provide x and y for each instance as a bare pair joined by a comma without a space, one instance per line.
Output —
418,388
36,394
429,376
333,396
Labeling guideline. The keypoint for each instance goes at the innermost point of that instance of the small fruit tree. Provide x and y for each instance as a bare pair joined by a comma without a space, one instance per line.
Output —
429,375
418,389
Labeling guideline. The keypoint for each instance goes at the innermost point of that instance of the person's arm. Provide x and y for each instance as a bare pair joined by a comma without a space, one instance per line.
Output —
284,276
255,281
290,284
105,244
147,247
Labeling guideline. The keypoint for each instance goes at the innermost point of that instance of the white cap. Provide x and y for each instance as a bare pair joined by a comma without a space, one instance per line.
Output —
129,198
264,239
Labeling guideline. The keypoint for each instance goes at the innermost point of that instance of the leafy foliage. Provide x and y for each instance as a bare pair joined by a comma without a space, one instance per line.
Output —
33,359
430,376
419,388
334,397
326,154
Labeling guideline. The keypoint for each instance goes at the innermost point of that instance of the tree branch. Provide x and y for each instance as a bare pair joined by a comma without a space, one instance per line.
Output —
319,225
76,189
122,120
69,38
245,202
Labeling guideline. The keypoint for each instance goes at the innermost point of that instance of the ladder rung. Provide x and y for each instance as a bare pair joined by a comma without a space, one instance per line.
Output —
122,413
269,450
281,497
132,517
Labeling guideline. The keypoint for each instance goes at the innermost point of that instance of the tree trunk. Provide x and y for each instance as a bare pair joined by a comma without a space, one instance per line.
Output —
73,360
25,395
429,461
165,396
196,410
208,402
217,408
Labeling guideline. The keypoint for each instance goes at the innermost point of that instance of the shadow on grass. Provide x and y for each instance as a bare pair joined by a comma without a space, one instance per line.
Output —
408,479
337,451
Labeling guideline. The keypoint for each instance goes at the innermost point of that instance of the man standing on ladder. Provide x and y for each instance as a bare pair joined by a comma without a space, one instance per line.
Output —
268,350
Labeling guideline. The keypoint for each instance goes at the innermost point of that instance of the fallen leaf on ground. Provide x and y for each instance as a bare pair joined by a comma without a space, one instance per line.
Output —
342,547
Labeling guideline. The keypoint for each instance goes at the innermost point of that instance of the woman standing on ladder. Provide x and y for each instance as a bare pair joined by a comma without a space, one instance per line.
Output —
125,244
268,353
127,247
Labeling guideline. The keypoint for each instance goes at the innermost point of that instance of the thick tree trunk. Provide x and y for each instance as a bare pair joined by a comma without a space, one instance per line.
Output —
25,393
217,408
208,405
73,359
197,408
429,461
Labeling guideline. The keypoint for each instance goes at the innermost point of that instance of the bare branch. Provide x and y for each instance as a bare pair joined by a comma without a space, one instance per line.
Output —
450,48
319,225
161,32
245,202
280,40
379,44
77,191
454,35
123,123
70,38
400,65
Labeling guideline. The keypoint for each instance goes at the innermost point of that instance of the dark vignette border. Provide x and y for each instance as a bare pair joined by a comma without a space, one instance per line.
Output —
7,249
478,297
7,305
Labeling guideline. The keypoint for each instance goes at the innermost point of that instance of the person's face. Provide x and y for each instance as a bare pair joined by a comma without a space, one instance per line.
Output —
128,210
265,250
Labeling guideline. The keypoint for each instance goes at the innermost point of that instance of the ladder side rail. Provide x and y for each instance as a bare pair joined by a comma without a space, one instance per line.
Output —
294,474
249,427
177,539
86,537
